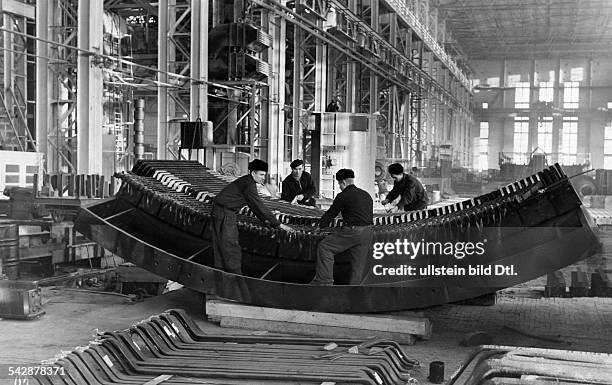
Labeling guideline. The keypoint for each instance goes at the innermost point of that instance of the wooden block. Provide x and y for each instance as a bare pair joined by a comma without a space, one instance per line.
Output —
314,330
406,325
400,313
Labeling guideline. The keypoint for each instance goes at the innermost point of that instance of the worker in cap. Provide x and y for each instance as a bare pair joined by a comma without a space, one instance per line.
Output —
241,192
413,195
355,235
298,187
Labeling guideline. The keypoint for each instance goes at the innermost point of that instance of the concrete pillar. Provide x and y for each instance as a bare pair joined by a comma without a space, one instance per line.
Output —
198,92
43,123
276,85
89,87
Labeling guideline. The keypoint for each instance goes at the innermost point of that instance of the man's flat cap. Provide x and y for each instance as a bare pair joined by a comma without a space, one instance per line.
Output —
295,163
258,165
345,173
396,169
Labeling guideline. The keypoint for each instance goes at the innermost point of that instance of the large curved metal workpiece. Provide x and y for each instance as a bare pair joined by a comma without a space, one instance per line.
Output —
537,226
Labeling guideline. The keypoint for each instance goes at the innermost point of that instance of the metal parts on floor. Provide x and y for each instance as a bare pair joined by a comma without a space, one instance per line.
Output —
20,300
507,365
171,349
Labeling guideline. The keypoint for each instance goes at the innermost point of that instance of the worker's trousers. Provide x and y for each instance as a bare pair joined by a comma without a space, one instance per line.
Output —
420,205
357,240
226,248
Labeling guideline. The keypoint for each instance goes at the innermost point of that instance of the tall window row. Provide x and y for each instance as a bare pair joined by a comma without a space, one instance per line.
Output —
571,92
483,158
521,140
608,146
545,135
568,140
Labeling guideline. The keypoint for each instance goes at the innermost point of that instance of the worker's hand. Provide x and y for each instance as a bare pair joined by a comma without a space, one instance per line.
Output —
287,228
384,202
299,197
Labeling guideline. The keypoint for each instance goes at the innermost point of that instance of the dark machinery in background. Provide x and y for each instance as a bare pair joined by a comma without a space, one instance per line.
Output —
232,52
233,49
585,182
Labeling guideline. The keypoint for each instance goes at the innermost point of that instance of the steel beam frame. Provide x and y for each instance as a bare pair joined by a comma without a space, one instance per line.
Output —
17,129
56,84
173,105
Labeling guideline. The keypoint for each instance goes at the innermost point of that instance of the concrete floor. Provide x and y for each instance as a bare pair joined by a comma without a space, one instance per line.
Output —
72,319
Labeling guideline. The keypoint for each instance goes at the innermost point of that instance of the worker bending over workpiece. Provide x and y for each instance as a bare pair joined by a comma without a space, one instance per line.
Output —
298,187
233,197
355,235
413,195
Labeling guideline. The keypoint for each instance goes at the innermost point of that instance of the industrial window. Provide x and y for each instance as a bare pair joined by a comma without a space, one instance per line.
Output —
609,105
484,146
521,140
570,94
577,74
521,95
569,141
288,153
485,105
545,135
608,146
493,82
546,91
513,80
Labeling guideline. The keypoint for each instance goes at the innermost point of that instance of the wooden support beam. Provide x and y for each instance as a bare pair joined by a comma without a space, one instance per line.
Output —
420,327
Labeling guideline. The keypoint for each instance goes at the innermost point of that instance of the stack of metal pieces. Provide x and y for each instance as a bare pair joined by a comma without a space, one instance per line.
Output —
171,349
507,365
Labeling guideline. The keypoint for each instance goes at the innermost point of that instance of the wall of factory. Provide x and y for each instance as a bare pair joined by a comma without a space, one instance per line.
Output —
496,83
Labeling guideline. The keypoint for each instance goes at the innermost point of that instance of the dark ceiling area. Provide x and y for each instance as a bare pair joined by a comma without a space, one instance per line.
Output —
487,29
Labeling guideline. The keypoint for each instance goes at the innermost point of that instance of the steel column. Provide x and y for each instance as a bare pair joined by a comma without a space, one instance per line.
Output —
277,26
198,106
43,121
89,86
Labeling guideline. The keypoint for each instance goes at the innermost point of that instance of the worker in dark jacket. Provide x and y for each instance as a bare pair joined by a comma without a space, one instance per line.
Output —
232,198
298,187
413,195
355,235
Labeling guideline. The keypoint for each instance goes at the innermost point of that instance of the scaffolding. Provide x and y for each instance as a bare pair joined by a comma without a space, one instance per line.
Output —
16,81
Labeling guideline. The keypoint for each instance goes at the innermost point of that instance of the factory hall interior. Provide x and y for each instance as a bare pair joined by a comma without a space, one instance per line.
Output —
306,192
